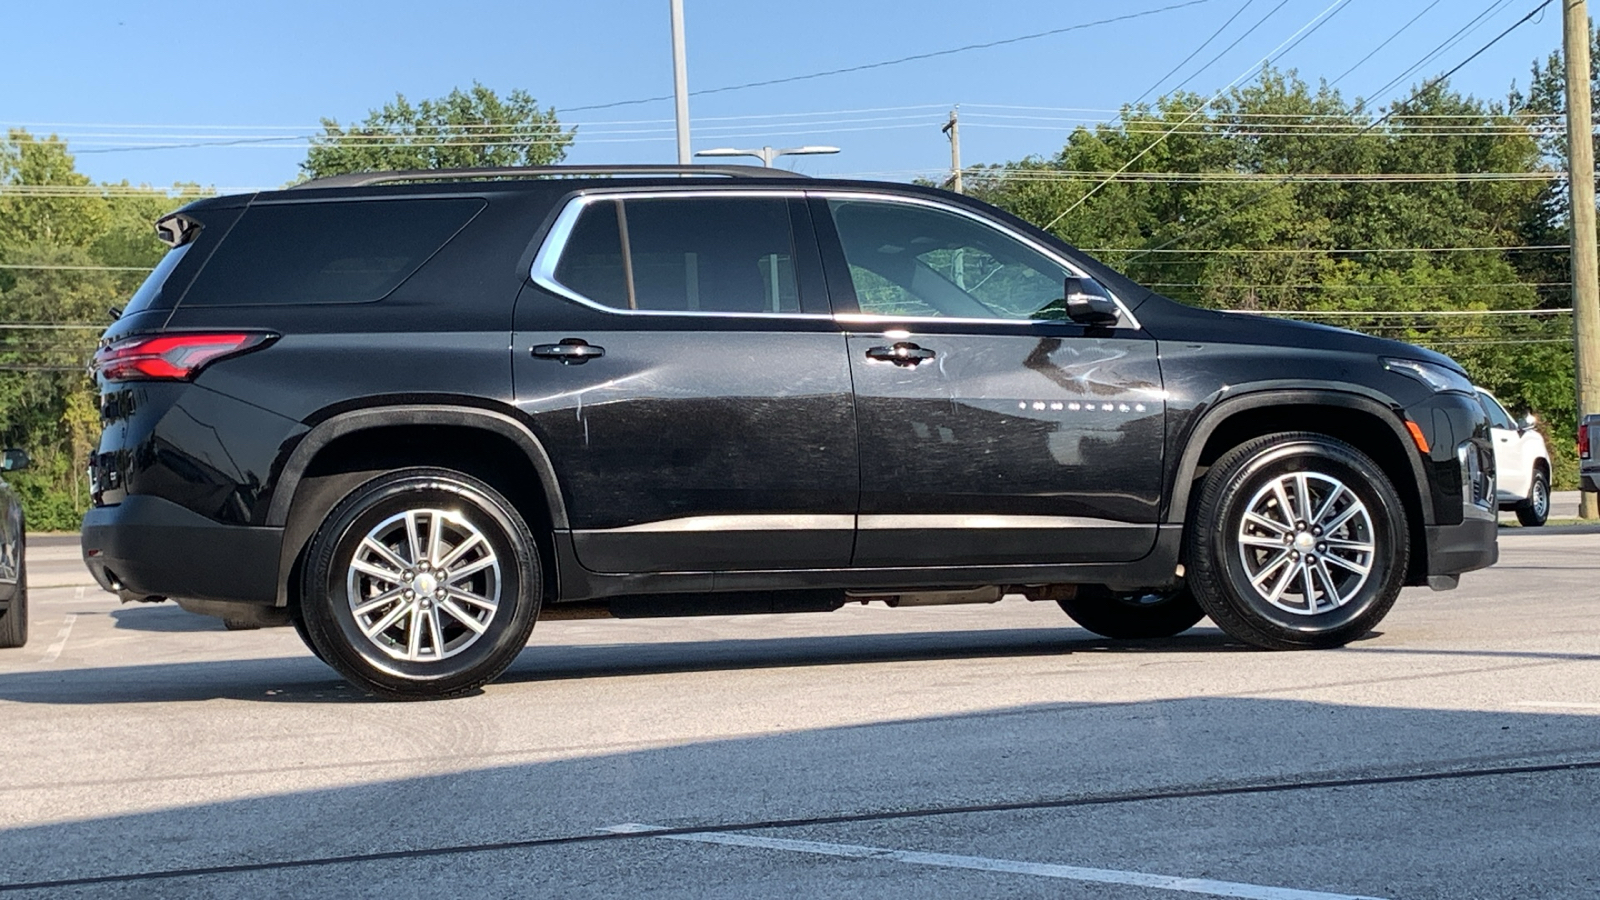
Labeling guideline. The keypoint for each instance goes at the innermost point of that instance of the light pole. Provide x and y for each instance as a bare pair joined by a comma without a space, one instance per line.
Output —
767,154
680,82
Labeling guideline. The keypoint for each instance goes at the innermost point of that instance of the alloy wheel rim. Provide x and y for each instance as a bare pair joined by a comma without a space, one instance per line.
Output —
1541,497
424,585
1307,543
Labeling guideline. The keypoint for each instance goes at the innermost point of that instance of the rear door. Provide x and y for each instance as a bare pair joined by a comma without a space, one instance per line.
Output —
992,430
676,352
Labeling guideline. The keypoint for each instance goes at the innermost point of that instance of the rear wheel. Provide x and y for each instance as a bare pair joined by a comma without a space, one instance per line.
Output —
1133,614
423,583
14,621
1535,510
1298,541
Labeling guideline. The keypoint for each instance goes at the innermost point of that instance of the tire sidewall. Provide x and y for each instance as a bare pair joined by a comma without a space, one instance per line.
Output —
325,605
1369,484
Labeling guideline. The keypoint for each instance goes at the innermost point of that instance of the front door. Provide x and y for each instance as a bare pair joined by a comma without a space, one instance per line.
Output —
677,357
992,430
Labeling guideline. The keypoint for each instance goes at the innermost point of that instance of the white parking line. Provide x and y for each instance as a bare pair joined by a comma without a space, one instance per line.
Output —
1204,886
54,650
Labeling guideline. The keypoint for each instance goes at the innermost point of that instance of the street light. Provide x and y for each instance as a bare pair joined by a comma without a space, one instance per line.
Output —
767,154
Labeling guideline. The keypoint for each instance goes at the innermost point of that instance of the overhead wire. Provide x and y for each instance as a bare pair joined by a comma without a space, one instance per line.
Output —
1196,51
1315,23
1212,221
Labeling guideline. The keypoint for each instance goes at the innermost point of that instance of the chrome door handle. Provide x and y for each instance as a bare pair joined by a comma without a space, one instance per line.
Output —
902,354
570,351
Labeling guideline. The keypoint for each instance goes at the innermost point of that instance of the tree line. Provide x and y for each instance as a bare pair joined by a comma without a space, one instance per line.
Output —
1440,221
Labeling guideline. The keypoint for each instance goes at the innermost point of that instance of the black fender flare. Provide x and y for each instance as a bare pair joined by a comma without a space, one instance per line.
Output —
1230,404
347,423
338,426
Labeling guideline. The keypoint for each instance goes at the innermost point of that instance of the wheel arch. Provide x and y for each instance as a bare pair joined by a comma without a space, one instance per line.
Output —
1343,415
335,456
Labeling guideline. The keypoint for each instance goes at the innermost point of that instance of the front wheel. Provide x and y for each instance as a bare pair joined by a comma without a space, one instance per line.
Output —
1535,511
423,583
1297,541
1127,615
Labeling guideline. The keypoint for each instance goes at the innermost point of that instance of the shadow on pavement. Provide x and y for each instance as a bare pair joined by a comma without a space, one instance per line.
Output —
305,679
163,617
1093,784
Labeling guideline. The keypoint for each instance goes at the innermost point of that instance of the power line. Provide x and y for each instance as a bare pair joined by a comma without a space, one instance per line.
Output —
916,57
1196,51
1214,220
1385,43
1317,22
1226,50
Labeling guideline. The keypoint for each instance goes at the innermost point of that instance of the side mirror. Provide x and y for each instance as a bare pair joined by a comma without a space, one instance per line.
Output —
14,461
1527,422
1086,305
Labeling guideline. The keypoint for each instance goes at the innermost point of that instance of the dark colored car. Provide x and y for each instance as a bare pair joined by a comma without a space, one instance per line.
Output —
13,569
411,413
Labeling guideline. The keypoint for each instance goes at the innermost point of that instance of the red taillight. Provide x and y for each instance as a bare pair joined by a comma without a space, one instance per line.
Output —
170,357
1583,440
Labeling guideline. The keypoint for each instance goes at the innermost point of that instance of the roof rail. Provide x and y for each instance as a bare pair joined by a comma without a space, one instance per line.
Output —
362,179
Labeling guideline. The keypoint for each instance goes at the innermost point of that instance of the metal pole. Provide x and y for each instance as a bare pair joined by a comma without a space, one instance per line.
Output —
953,128
1580,180
680,82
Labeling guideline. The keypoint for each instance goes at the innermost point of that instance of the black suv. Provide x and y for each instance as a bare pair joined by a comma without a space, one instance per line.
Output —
410,413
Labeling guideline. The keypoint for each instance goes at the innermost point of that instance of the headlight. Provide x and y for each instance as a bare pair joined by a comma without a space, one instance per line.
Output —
1440,378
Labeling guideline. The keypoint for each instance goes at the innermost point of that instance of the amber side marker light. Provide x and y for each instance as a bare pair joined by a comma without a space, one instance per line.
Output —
1417,436
171,357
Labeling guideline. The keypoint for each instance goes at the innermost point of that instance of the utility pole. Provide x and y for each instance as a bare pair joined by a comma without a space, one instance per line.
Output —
1580,181
953,128
680,82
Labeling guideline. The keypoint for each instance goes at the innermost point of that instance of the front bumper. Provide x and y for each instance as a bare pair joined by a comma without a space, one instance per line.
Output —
147,548
1471,544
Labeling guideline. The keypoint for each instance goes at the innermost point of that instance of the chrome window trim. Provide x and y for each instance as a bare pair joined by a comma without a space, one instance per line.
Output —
1129,320
549,256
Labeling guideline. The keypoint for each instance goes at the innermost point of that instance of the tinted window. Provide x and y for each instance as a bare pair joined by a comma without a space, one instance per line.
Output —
341,252
915,261
146,295
1498,417
684,255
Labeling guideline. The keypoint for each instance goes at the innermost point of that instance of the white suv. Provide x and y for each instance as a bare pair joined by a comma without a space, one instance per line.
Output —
1521,462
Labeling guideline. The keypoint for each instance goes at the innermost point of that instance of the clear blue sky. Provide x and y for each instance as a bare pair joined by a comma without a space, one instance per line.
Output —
184,73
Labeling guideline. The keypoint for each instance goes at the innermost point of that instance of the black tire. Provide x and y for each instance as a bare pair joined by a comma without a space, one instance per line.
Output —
507,584
1220,555
1535,511
14,621
1132,615
299,623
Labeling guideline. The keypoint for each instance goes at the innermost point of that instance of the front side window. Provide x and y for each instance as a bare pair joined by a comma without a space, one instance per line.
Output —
915,261
691,254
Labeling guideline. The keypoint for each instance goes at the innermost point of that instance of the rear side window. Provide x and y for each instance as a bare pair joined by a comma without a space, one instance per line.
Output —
338,252
698,254
148,292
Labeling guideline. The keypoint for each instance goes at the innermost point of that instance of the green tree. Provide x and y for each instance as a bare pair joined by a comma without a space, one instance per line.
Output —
69,251
462,130
1283,198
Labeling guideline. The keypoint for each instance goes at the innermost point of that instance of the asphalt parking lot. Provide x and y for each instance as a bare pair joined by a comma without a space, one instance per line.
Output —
957,751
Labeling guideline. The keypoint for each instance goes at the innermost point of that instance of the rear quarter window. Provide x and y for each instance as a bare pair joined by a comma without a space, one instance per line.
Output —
327,252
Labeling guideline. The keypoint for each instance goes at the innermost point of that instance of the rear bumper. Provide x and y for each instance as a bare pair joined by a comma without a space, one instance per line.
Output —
1472,544
146,547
